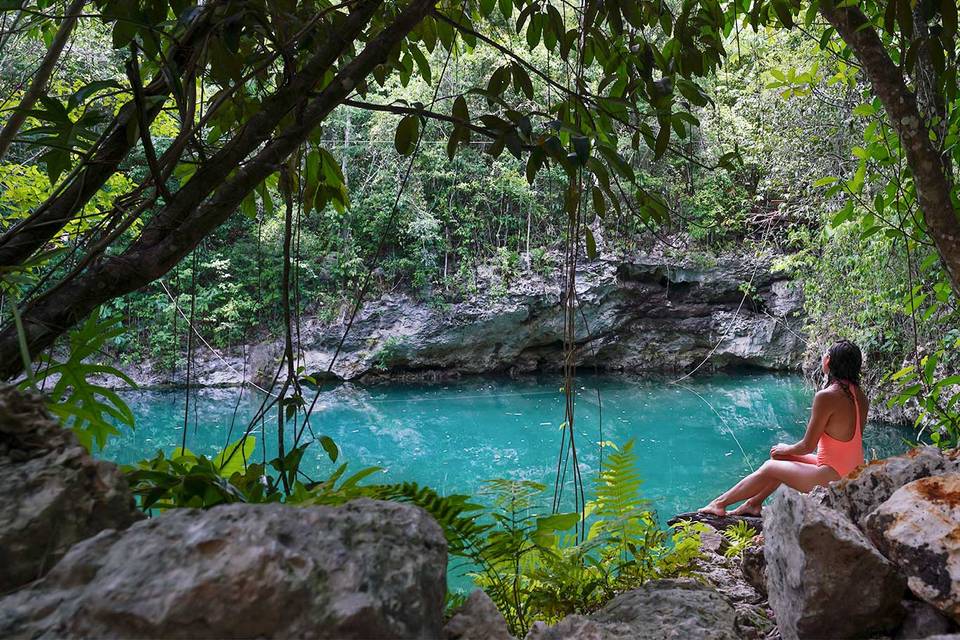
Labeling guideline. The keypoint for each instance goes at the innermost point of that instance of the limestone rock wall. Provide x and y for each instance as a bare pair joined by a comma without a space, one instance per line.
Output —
639,313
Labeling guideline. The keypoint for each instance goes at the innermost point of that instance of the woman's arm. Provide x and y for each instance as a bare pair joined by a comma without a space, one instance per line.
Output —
818,422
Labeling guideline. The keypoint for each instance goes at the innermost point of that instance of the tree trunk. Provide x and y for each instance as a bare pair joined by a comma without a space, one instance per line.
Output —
23,239
177,229
932,181
39,83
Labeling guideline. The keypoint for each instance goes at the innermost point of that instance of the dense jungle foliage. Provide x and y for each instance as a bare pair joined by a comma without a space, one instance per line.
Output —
819,182
239,165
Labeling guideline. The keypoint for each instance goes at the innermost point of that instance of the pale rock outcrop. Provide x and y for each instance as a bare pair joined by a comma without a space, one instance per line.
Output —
868,487
54,493
366,569
659,610
712,541
918,528
477,619
824,577
753,617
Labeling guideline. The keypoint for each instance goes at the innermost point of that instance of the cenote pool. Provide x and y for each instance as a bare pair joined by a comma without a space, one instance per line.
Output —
693,440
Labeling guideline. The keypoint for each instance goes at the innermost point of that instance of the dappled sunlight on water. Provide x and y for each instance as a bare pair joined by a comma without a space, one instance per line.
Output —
693,440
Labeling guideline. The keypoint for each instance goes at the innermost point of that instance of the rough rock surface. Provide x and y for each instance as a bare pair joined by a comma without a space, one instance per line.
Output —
660,610
645,312
753,564
867,487
712,541
477,619
367,569
817,561
922,621
918,528
54,494
754,618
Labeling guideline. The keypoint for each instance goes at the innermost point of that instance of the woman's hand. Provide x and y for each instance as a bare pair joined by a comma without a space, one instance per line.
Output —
779,451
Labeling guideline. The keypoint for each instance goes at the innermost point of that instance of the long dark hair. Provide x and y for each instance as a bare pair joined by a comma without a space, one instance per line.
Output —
845,363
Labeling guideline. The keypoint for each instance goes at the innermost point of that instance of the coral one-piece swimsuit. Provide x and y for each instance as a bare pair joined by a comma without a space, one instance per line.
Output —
843,456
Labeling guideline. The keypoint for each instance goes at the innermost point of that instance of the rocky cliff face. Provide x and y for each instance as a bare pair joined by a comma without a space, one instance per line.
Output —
642,313
637,315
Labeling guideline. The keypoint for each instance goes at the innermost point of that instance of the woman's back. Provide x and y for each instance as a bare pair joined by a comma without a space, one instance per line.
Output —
841,445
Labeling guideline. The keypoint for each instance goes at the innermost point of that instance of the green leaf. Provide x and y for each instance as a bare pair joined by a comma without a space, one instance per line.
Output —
599,204
460,110
90,410
946,382
845,214
22,341
558,521
234,457
330,447
591,243
822,182
58,161
783,12
406,137
908,370
123,32
948,13
663,139
581,146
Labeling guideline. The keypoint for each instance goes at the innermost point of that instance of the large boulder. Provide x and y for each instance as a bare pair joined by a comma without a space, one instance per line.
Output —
824,578
54,494
659,610
477,619
868,487
367,569
918,528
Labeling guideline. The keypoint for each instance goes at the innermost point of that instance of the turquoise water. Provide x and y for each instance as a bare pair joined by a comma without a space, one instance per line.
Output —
693,441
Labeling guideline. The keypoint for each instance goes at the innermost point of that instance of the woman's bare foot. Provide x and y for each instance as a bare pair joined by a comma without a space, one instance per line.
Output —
746,509
713,508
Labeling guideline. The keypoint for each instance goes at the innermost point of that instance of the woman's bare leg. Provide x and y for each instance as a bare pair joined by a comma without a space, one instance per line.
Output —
753,505
797,475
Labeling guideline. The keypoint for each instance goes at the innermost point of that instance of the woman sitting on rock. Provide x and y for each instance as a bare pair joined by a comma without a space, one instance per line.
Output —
834,432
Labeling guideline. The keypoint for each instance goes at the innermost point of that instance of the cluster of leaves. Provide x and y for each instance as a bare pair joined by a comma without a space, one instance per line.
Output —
92,410
535,566
739,536
184,479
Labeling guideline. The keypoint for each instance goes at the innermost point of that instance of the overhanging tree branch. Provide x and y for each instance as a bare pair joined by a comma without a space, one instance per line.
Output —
22,240
178,229
932,183
42,76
